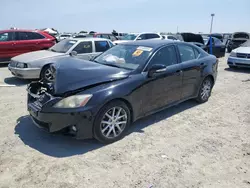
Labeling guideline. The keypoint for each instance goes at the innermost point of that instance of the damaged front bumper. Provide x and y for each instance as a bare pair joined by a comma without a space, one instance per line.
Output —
78,122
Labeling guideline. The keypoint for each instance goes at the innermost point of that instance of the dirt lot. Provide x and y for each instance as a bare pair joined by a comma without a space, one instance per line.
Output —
188,145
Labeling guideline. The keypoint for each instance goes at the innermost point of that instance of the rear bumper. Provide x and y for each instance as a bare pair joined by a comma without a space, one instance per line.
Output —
239,62
25,73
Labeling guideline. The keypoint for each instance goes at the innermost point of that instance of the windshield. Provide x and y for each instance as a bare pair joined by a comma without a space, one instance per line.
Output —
63,46
129,37
125,56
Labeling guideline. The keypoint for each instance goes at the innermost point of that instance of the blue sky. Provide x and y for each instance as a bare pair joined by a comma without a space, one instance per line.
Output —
127,15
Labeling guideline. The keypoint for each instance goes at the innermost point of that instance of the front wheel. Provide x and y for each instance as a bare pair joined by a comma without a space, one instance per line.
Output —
112,122
47,74
205,90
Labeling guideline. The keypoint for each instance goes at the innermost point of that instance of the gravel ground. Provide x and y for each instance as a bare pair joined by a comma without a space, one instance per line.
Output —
188,145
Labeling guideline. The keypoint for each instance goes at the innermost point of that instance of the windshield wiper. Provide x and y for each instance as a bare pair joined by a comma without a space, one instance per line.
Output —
114,65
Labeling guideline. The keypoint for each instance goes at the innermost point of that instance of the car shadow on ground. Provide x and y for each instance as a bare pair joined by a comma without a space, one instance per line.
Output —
16,81
240,70
57,145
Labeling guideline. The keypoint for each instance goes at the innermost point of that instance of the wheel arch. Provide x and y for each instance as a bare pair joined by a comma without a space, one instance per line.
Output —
42,69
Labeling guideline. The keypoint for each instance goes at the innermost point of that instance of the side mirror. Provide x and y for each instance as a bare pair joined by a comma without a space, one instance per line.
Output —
73,53
157,68
163,37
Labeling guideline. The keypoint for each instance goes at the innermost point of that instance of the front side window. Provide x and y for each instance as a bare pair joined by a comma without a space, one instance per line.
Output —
142,37
128,57
83,47
186,53
101,46
165,56
7,36
63,46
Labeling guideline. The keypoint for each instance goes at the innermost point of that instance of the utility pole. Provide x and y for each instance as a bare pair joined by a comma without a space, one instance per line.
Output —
211,28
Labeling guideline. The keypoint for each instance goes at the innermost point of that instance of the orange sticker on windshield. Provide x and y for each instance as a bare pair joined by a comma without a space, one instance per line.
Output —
137,53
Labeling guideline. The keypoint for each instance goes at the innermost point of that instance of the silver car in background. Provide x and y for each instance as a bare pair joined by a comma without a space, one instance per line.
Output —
240,57
36,65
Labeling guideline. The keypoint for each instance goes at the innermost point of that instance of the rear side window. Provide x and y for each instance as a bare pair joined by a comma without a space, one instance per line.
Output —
165,56
101,46
7,36
152,36
186,53
35,36
22,35
83,47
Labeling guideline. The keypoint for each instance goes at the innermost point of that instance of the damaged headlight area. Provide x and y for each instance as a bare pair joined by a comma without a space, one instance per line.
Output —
74,101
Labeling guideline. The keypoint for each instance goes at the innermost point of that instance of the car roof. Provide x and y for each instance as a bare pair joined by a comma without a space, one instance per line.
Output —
89,39
151,43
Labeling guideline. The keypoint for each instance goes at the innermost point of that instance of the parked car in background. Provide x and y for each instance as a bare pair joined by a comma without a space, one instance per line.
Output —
138,36
109,36
218,36
170,37
125,83
35,65
64,36
16,42
240,57
119,35
237,39
218,48
81,35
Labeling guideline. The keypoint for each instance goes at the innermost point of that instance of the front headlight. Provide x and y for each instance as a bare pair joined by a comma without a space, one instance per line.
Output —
73,101
233,54
21,65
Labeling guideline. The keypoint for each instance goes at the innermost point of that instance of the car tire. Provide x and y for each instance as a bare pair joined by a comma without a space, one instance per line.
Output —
205,90
112,122
45,74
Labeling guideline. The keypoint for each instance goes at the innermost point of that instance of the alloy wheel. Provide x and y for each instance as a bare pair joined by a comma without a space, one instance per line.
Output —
114,122
49,74
206,89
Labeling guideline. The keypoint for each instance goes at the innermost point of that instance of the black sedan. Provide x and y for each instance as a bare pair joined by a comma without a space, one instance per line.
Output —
101,98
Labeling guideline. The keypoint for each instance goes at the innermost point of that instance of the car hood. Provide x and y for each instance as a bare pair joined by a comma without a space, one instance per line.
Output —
37,55
245,50
73,74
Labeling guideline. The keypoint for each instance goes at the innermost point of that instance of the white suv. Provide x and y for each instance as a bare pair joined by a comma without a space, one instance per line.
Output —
138,36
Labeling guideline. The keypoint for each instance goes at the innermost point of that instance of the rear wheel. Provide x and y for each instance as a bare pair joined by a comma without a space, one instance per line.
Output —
112,122
205,90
